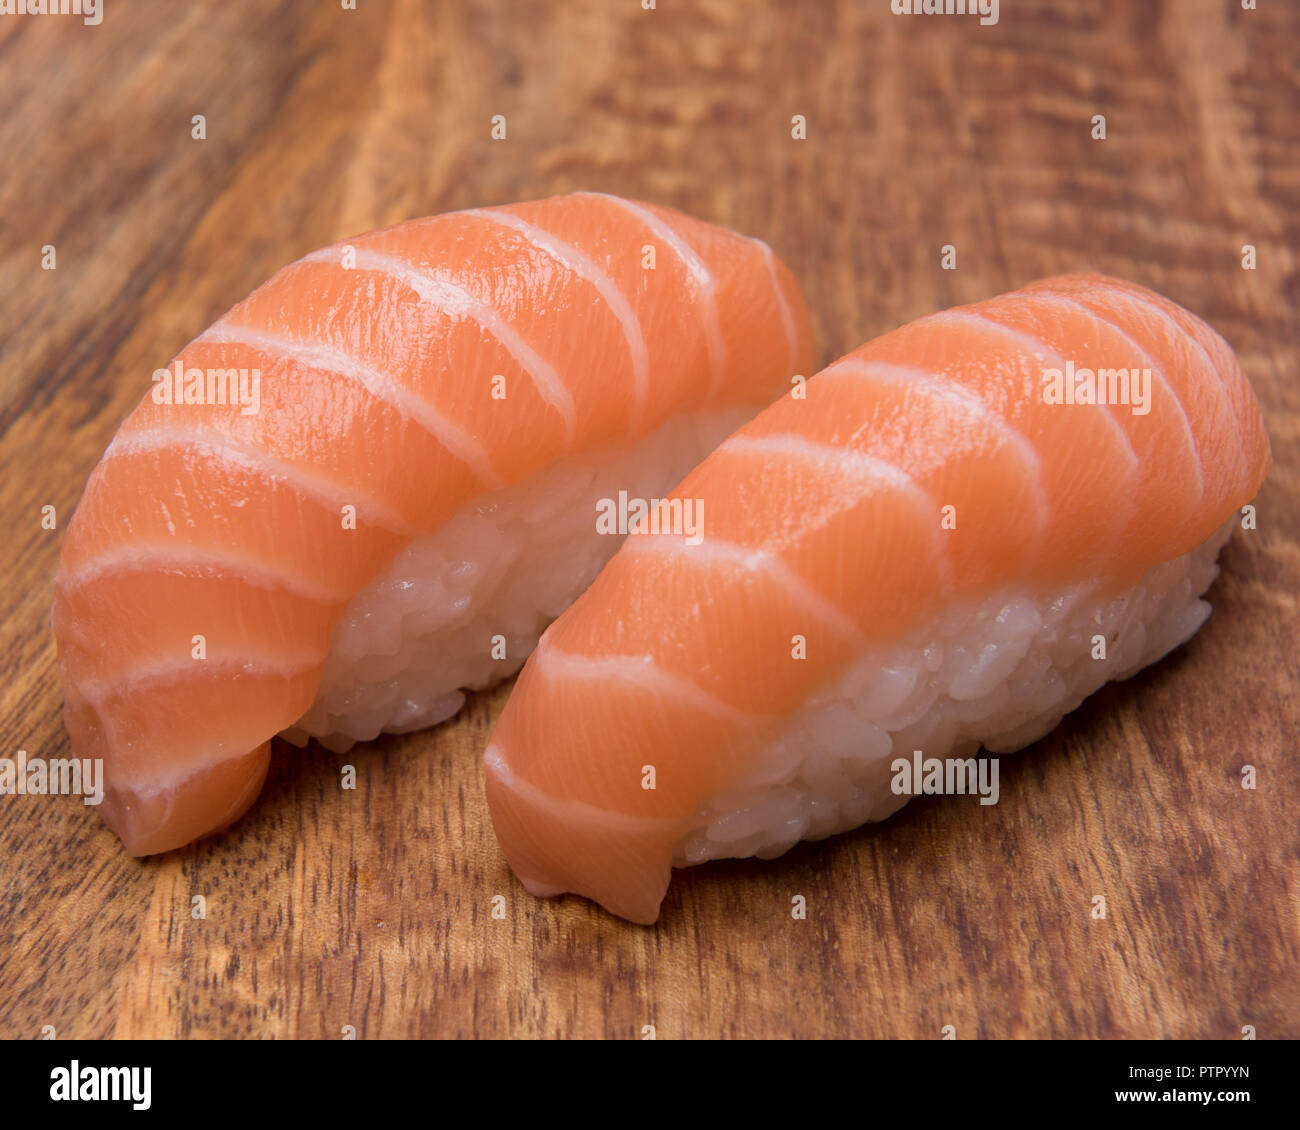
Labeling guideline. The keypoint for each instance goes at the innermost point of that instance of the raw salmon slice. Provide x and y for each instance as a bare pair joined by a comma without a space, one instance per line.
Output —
372,483
948,539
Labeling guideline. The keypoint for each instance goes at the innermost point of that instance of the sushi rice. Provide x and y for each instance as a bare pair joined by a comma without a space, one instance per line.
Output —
426,630
1001,674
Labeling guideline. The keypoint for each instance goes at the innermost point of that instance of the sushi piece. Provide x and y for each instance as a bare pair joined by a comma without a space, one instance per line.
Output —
373,482
947,539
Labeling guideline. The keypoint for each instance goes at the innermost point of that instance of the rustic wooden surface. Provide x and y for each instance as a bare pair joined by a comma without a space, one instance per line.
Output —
372,908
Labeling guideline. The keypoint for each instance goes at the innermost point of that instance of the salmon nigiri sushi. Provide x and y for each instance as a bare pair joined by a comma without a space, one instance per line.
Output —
946,539
373,482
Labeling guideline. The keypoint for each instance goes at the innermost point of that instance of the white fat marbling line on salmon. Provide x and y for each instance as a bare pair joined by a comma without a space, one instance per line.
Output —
451,298
754,560
1178,331
864,469
1147,362
1035,347
855,464
495,762
380,385
584,268
193,561
701,278
962,401
783,305
240,804
157,787
643,671
232,452
96,692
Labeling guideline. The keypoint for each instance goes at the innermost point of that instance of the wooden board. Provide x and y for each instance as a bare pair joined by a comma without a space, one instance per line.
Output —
371,908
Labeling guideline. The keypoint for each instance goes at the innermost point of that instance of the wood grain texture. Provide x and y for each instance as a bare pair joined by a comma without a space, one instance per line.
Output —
372,908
